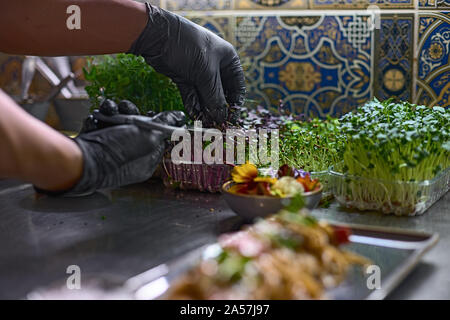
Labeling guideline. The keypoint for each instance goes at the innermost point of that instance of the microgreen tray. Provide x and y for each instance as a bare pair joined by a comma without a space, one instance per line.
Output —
324,180
202,177
402,198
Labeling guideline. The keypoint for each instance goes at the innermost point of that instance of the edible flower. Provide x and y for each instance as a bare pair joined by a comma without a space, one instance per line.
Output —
244,173
290,171
308,183
268,180
288,182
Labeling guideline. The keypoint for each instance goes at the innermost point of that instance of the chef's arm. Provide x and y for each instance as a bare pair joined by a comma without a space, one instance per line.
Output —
103,157
32,151
205,67
38,27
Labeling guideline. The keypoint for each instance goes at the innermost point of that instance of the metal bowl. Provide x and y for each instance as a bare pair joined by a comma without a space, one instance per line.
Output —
250,207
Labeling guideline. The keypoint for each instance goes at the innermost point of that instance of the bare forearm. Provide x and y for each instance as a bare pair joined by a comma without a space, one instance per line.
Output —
38,27
32,151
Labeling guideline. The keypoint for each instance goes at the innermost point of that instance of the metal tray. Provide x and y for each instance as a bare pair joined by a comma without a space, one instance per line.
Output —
395,251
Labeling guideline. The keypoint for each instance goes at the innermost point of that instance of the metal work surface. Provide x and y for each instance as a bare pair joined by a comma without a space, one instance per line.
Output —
120,233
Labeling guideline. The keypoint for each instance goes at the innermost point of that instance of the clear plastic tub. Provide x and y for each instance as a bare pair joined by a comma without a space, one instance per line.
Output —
402,198
323,177
202,177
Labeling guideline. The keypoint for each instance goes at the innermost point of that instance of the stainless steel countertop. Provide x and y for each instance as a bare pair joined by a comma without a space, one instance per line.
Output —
122,232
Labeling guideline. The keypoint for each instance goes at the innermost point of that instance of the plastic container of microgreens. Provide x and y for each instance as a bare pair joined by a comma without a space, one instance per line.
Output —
323,177
402,198
192,176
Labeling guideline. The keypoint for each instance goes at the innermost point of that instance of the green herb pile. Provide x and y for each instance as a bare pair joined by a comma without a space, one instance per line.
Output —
128,77
396,141
313,145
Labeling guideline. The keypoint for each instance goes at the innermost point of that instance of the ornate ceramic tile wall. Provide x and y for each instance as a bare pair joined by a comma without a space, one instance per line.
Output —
270,4
350,4
393,57
318,65
433,73
434,4
193,5
186,5
220,25
292,58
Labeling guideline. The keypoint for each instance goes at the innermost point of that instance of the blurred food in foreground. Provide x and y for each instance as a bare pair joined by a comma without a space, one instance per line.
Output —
289,255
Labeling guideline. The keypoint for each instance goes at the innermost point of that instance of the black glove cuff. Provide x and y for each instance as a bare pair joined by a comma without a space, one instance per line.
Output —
150,42
85,185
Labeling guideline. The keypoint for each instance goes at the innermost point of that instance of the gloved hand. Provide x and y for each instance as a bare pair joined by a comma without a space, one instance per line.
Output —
119,155
205,67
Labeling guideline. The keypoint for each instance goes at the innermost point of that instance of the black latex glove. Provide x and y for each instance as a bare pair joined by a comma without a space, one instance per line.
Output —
119,155
205,67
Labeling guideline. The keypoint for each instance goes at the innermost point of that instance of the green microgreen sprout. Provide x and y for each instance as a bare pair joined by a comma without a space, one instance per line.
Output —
313,145
397,146
129,77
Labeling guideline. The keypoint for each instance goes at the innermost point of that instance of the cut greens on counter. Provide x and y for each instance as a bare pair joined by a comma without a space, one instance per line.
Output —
396,159
128,77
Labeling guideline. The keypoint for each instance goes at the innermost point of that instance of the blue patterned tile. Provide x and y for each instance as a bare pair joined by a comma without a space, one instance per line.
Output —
198,5
318,65
434,4
346,4
220,25
393,56
433,74
270,4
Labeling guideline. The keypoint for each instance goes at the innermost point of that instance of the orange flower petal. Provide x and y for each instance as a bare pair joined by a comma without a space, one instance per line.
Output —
269,180
308,184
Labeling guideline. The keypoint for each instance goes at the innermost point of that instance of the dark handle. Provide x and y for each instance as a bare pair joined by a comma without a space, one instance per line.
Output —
140,121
